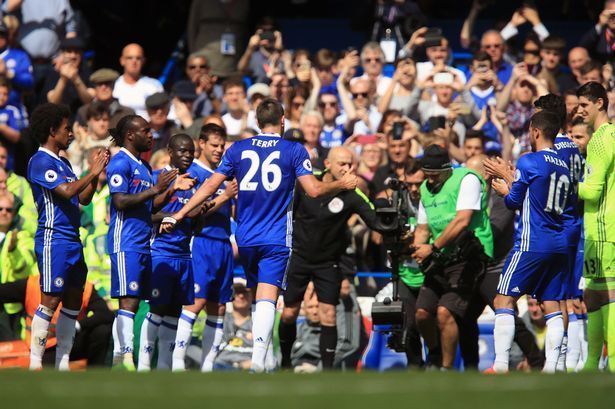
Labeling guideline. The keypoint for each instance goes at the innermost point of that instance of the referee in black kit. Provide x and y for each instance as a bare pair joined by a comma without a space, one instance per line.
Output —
319,241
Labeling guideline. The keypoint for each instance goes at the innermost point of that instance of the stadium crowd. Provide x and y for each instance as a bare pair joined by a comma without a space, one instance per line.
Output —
407,112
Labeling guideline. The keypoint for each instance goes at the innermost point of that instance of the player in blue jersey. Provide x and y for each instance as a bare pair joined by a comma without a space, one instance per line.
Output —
58,193
568,150
212,256
172,283
538,261
134,197
266,167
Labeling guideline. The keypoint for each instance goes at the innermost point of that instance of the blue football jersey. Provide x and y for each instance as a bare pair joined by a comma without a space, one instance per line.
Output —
540,190
573,219
130,229
218,224
58,218
176,243
266,167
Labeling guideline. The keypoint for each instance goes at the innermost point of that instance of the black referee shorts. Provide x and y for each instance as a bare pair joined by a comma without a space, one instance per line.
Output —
327,279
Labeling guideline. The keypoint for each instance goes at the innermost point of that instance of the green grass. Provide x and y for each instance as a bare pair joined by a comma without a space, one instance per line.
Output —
119,390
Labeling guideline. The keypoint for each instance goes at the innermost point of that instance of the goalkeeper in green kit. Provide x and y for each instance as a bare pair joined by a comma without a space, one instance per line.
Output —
598,192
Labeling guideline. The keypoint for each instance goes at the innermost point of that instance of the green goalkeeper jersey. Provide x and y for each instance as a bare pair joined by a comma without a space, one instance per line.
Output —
598,186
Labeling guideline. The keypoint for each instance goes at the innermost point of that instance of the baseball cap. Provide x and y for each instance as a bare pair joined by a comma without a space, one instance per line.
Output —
436,158
258,88
184,90
294,135
104,75
156,100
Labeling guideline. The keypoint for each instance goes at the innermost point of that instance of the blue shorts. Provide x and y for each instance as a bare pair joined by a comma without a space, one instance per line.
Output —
212,263
577,271
61,266
131,273
544,276
265,264
172,281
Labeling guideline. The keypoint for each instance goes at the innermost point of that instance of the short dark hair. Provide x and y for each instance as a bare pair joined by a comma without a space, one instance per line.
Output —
594,91
212,129
555,43
590,66
96,109
579,120
47,118
475,134
178,138
269,112
547,122
233,82
482,56
555,104
124,125
324,59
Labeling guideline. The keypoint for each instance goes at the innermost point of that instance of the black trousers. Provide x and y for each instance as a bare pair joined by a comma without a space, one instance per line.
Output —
414,348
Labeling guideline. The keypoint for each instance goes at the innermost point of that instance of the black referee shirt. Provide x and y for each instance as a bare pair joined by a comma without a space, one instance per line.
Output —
320,224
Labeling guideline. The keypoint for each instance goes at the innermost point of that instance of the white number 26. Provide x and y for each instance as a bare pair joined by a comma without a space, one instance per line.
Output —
271,174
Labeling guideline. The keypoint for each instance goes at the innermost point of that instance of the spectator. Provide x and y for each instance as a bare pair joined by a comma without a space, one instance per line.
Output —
531,58
535,321
493,44
11,122
238,115
160,159
600,39
434,112
208,92
16,66
94,135
398,161
571,99
236,348
218,30
360,113
577,57
103,81
372,61
311,127
256,94
590,71
162,127
44,24
369,161
297,98
132,88
65,85
333,132
551,53
473,144
401,94
262,56
324,62
279,87
525,14
183,96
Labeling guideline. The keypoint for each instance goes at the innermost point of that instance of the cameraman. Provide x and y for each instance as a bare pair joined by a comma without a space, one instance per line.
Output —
453,213
319,241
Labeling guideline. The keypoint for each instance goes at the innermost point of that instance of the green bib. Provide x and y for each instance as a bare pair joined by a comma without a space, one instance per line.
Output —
441,209
409,272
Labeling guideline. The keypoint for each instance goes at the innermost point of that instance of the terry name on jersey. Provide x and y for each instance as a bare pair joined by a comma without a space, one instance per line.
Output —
265,144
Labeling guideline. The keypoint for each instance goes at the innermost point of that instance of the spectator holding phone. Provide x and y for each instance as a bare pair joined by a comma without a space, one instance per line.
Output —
261,58
372,61
600,39
334,132
401,93
528,13
551,54
360,113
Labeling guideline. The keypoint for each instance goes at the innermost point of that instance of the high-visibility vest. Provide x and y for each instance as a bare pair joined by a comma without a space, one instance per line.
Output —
33,300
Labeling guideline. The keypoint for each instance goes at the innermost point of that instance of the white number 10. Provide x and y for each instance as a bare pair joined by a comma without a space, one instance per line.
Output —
554,197
271,174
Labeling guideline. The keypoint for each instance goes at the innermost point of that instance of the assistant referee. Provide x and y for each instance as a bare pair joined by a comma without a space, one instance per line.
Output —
319,241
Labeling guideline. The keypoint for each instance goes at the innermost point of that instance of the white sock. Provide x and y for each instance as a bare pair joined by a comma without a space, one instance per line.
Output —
563,352
182,339
582,320
271,362
117,352
553,340
147,340
38,334
574,343
262,326
212,337
125,333
65,335
166,342
503,335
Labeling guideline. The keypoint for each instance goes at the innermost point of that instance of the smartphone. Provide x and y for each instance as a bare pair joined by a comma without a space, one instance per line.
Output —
398,130
433,37
268,36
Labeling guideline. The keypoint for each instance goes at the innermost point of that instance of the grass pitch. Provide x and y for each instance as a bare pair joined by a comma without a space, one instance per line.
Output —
118,390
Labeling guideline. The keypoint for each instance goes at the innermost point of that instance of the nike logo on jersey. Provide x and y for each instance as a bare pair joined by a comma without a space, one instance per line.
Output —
265,144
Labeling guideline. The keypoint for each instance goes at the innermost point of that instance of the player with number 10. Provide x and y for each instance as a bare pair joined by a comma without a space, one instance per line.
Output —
266,168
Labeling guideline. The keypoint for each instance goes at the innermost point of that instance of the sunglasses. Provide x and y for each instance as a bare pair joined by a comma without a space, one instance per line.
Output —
6,209
532,52
490,46
200,67
376,60
327,104
360,94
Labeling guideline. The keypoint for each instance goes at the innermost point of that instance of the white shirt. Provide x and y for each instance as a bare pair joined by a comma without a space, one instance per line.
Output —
469,198
423,69
233,126
382,83
133,96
